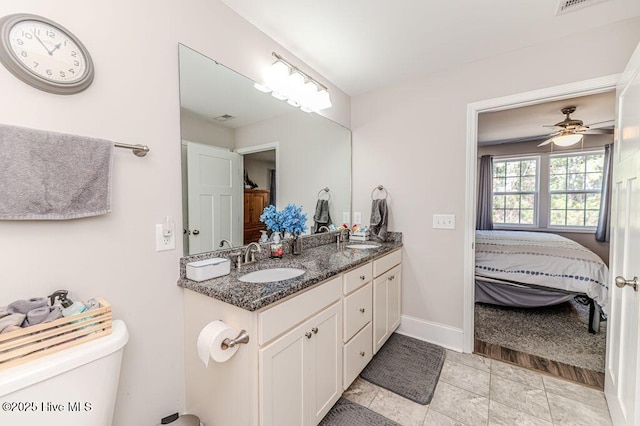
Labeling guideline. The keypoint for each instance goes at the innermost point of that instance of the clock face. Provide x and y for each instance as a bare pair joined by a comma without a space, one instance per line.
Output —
47,51
44,54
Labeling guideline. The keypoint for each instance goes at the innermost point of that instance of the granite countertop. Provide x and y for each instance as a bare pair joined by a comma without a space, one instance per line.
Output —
320,263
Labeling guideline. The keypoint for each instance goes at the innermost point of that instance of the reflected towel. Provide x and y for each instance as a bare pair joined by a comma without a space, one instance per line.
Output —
322,216
379,218
51,176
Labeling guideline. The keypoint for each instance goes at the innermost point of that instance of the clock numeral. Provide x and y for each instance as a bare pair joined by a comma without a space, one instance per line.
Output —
49,72
62,74
51,34
24,54
72,71
27,35
74,53
20,42
76,63
35,64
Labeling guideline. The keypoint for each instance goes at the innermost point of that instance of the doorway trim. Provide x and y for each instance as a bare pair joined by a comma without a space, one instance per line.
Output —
565,91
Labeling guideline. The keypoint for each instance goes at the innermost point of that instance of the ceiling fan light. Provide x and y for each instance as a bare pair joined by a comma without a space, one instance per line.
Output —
567,140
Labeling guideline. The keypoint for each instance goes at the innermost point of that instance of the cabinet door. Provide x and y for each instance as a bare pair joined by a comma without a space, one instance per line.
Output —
326,362
380,323
284,377
394,298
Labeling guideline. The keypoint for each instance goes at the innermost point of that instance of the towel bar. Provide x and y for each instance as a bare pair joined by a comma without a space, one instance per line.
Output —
138,150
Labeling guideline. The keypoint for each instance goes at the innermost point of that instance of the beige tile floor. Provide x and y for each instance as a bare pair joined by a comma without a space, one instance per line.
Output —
474,390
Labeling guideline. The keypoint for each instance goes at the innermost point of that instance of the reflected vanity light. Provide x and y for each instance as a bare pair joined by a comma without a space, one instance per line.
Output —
286,82
567,140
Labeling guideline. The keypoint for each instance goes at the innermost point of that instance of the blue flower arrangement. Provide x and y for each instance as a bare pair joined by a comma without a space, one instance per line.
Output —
290,219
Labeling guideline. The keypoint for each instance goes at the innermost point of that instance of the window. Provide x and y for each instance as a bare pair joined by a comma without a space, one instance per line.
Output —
575,183
515,195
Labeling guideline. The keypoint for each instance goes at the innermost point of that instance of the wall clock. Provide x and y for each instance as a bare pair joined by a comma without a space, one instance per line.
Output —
44,54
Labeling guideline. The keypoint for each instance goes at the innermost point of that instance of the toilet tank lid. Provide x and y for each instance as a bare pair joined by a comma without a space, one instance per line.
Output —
31,372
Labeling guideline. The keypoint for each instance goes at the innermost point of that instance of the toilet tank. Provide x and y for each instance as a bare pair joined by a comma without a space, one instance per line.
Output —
74,387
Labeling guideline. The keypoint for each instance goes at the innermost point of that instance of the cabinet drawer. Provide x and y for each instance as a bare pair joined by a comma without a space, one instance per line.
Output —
357,278
386,262
357,311
275,321
357,354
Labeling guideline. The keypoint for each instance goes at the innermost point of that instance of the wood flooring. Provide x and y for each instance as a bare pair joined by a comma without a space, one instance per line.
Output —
584,376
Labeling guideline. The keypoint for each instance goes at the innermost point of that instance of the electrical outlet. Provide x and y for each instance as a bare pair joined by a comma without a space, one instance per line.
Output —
165,238
346,218
357,218
444,221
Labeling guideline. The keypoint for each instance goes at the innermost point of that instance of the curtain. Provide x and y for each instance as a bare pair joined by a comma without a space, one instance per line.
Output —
484,215
603,230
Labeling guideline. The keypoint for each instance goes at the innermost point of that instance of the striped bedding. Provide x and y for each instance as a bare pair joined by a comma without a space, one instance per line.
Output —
541,259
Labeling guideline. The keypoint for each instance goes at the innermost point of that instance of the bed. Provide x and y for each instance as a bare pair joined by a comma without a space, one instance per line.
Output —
533,269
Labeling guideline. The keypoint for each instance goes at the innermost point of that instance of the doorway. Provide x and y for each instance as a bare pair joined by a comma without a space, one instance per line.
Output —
589,87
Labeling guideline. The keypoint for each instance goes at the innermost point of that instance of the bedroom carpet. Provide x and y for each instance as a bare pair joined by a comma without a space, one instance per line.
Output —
406,366
557,333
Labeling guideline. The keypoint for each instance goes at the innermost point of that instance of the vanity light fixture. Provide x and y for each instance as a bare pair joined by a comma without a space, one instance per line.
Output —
287,82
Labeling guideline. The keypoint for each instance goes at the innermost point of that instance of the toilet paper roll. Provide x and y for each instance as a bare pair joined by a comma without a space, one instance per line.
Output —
210,342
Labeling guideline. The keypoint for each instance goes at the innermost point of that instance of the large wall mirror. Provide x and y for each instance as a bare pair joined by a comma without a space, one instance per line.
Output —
243,149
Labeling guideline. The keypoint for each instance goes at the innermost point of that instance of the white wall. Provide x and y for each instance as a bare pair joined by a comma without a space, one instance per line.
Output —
259,171
197,129
313,154
411,138
134,99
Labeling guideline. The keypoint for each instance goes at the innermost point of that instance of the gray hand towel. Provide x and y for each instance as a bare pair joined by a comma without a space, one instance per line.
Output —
24,306
11,322
37,316
379,218
50,176
322,216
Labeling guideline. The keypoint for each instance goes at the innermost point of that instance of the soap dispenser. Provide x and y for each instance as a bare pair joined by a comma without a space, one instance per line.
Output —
69,307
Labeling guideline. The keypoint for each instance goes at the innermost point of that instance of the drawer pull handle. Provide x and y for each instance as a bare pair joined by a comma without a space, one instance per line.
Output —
362,310
362,277
392,277
308,335
315,330
362,353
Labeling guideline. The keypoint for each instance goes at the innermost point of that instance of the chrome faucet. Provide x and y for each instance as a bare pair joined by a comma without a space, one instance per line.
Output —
225,241
252,253
340,237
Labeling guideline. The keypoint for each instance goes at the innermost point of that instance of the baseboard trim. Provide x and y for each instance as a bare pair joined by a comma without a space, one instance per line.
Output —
432,332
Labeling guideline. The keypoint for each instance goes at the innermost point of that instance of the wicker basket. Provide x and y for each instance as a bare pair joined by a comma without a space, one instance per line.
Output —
26,344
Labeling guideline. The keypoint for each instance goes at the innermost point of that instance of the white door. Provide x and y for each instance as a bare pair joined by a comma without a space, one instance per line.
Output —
622,387
215,187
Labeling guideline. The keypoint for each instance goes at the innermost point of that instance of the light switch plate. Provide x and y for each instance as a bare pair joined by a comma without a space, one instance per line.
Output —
357,218
346,218
444,221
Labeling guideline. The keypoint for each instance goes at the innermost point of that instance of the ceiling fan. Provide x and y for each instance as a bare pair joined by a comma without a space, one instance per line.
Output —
569,131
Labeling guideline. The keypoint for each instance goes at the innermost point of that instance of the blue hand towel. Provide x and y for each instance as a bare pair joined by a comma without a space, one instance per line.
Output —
51,176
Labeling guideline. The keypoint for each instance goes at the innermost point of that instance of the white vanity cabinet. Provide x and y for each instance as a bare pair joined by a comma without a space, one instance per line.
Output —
302,353
301,372
387,297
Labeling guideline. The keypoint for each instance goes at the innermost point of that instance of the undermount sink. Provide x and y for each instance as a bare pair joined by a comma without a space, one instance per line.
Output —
362,246
271,275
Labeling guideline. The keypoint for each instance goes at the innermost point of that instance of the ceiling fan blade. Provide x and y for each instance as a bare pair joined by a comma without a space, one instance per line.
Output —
547,142
602,123
599,132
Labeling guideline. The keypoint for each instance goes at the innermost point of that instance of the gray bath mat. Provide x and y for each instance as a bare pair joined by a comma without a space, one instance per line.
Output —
347,413
406,366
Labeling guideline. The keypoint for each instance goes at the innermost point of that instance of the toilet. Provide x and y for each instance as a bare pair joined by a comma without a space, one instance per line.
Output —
76,386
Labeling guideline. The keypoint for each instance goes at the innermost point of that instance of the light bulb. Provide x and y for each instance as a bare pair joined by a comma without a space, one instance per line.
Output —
323,100
277,77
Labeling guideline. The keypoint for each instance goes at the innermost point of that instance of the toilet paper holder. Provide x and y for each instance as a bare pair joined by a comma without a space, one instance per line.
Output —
243,337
